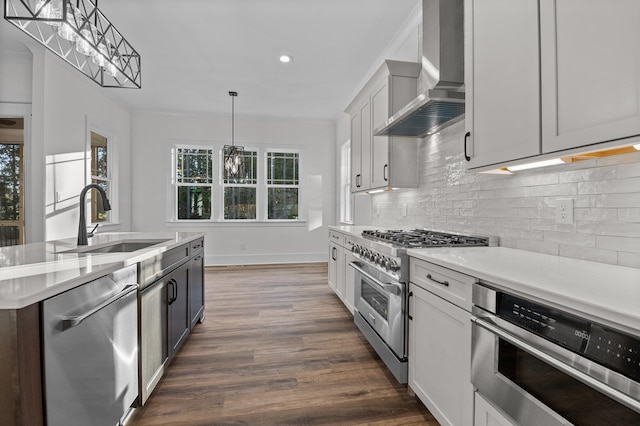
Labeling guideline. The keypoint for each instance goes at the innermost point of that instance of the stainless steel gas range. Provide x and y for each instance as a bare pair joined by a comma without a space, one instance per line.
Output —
381,282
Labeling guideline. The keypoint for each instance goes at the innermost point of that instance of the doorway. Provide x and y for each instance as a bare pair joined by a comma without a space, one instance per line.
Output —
12,196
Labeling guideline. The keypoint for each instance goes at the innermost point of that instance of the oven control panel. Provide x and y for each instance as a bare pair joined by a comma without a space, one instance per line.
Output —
611,348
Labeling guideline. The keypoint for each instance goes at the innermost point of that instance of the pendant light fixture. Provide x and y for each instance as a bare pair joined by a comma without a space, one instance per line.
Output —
233,155
79,33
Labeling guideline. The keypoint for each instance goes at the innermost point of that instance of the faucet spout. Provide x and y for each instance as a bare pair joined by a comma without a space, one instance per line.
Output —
82,225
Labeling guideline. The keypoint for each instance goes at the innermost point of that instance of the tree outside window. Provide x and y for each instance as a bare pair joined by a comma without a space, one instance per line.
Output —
194,178
282,185
11,187
100,175
240,191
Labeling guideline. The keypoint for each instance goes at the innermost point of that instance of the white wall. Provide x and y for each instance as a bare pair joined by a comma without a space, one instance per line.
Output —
153,135
64,106
71,105
15,77
520,209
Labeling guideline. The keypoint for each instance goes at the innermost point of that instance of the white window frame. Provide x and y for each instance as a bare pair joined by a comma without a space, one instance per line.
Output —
346,201
240,185
176,184
218,185
267,186
113,195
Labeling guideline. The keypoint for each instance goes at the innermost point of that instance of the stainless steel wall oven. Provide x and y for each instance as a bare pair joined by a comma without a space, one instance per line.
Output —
546,366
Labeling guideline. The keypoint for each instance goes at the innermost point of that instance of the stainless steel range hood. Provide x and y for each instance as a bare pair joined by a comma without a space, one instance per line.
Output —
440,101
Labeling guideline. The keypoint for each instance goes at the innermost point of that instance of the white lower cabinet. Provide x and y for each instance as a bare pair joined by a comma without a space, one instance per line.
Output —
440,357
336,268
349,281
341,275
486,414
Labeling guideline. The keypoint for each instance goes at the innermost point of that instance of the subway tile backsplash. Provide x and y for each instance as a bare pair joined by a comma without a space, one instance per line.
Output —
520,208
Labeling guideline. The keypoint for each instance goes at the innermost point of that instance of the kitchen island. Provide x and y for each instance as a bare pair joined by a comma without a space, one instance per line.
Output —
170,264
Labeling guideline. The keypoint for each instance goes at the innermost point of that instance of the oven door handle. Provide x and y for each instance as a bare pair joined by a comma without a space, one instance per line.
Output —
395,289
576,374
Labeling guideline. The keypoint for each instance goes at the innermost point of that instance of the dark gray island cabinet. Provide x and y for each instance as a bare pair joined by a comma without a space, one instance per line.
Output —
170,302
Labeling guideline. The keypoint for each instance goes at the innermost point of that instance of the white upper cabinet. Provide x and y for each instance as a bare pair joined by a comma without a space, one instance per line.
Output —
502,82
382,161
380,144
590,54
361,148
356,150
549,76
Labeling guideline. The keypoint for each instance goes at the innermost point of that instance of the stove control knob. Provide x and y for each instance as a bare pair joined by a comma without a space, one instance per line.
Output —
387,263
354,248
393,266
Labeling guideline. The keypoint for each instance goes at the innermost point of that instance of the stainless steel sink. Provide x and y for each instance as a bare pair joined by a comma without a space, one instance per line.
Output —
117,247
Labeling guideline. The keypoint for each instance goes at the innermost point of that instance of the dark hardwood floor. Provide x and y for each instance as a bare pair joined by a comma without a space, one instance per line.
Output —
277,347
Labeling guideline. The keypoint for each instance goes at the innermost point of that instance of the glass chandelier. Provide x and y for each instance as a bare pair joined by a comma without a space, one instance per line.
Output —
79,33
233,155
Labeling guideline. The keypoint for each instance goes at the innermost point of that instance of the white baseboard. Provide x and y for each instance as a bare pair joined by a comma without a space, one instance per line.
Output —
264,259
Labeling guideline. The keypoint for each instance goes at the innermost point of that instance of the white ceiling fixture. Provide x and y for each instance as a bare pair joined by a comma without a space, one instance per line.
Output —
79,33
286,58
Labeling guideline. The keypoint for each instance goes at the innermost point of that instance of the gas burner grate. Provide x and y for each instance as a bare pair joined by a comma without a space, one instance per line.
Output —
422,238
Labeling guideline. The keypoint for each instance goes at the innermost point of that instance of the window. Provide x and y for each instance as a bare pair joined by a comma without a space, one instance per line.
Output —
100,175
282,185
194,179
12,182
346,197
240,192
203,190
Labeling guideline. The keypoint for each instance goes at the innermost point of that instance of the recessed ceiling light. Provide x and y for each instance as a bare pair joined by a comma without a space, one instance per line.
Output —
286,59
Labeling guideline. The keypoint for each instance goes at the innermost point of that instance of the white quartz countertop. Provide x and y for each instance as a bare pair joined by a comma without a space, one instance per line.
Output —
33,272
355,230
603,292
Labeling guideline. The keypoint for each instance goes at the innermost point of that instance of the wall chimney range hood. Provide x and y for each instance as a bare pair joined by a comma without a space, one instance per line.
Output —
440,101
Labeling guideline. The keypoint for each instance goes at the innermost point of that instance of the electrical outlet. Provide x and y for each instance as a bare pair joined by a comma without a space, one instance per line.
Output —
564,210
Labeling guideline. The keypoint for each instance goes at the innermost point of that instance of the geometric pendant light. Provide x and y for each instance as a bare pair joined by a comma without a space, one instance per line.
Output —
233,155
79,33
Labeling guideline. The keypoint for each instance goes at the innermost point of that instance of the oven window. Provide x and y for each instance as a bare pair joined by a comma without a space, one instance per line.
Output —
567,396
375,298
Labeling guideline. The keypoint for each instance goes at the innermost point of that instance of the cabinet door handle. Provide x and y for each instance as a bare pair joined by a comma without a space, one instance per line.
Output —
409,305
357,181
384,172
466,135
444,283
173,296
334,253
170,293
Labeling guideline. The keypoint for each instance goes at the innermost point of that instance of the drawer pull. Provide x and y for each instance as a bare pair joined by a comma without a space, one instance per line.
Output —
444,283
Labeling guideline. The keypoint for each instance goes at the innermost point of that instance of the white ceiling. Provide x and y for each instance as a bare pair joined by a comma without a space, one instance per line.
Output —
195,51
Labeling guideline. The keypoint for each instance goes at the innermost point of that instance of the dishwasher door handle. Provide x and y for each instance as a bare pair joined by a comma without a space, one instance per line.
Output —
72,321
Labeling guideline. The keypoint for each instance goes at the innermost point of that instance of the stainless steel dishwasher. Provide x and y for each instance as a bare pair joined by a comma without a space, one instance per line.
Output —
91,351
